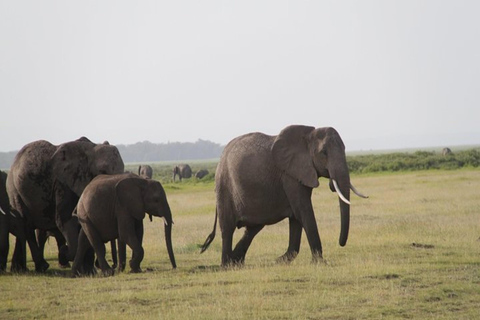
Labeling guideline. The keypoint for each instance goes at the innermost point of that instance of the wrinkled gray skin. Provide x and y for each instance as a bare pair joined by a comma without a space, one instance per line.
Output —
201,173
264,179
183,171
114,207
44,185
145,171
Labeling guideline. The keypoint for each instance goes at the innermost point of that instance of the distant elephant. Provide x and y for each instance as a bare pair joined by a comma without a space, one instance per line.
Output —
446,152
145,171
264,179
201,173
183,171
114,207
44,185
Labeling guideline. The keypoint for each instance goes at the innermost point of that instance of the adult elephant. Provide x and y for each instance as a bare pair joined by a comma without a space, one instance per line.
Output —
261,180
183,171
114,207
145,171
44,185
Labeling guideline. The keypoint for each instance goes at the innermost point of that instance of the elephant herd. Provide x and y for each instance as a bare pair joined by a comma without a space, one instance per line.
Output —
78,192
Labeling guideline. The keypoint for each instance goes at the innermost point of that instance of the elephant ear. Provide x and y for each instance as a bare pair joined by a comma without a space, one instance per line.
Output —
70,166
291,154
129,194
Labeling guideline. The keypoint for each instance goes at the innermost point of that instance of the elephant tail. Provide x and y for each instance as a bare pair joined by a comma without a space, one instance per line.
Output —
211,236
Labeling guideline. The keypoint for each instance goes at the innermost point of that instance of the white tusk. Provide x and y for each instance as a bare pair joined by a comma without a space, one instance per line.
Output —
358,192
165,221
1,210
339,192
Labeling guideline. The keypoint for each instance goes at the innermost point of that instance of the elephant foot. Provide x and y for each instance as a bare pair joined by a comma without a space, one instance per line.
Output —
136,270
64,266
83,271
287,258
15,268
108,272
121,267
42,266
63,261
318,259
233,263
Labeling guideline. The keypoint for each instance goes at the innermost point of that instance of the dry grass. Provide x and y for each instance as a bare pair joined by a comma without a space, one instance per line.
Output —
413,252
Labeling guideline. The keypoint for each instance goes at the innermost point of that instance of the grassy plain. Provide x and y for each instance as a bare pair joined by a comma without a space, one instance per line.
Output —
413,253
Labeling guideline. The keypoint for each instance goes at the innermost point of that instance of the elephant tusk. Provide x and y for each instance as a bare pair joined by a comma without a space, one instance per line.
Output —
1,210
337,189
165,221
358,192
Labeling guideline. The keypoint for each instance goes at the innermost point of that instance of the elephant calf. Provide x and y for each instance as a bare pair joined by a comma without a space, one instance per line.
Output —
114,206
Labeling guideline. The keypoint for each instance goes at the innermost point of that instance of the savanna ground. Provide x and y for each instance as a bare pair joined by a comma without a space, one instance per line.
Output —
413,252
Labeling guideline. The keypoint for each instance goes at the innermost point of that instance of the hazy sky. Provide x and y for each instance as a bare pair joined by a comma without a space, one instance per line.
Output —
385,74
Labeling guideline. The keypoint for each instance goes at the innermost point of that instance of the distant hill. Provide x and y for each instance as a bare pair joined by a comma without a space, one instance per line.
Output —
151,152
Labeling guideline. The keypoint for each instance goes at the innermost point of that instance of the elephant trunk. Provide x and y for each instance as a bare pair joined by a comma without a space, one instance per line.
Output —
168,238
345,219
341,183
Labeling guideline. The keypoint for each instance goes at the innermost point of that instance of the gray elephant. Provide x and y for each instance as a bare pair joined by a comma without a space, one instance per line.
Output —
183,171
261,180
114,207
145,171
201,173
44,185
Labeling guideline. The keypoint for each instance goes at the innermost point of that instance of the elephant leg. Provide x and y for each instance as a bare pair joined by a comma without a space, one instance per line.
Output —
301,203
314,240
295,237
19,258
129,229
122,255
227,239
238,255
61,242
18,228
113,247
83,245
83,248
4,242
41,265
99,246
135,243
41,238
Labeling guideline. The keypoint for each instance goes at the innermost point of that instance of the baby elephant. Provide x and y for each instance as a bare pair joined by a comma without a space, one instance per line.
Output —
114,206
